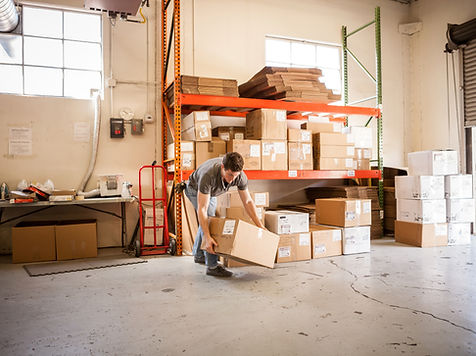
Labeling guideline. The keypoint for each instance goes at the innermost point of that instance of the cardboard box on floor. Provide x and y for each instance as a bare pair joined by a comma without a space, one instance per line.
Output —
459,234
227,133
207,150
326,241
287,222
460,210
274,155
300,156
343,212
197,126
250,150
33,241
459,186
76,239
420,187
294,247
421,235
355,239
267,124
244,241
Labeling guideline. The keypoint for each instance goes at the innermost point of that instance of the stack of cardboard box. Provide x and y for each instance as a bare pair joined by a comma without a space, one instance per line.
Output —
424,217
300,149
390,209
362,138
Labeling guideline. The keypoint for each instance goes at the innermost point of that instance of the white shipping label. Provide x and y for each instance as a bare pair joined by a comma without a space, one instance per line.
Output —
186,160
358,204
240,136
228,227
336,235
187,146
349,163
305,136
280,147
281,116
284,229
260,199
441,229
366,207
20,134
267,148
350,150
284,251
292,174
201,115
254,151
319,249
273,157
203,131
306,149
225,136
304,240
350,215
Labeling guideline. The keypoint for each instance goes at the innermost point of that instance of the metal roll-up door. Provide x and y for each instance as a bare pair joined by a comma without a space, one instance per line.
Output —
469,83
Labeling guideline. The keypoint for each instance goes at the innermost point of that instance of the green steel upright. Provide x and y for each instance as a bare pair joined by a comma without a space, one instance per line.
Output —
377,79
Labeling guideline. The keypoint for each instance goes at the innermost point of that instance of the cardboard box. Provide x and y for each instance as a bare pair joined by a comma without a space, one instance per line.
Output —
298,135
231,199
326,241
207,150
419,187
355,240
227,133
316,127
76,239
274,155
149,221
459,234
229,262
421,235
187,149
460,210
250,150
269,124
332,164
362,136
197,126
300,156
362,164
326,151
433,163
421,211
333,139
241,214
33,241
243,241
363,153
343,212
459,186
294,247
286,222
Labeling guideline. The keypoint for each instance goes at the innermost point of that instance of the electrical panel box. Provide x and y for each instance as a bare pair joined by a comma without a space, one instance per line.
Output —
117,128
137,126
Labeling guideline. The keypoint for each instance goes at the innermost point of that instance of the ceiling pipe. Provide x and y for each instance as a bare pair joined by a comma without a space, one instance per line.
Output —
8,16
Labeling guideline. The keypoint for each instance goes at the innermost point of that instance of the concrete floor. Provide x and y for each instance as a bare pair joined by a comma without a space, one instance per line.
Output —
395,300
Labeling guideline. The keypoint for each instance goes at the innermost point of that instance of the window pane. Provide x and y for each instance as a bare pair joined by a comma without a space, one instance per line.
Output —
303,54
78,83
82,55
43,81
11,79
42,22
10,49
328,57
43,51
83,27
278,51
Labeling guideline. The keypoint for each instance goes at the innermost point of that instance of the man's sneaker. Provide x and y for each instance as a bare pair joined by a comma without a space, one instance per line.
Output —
199,259
219,271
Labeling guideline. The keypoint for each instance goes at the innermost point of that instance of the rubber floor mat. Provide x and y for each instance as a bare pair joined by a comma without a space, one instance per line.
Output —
45,269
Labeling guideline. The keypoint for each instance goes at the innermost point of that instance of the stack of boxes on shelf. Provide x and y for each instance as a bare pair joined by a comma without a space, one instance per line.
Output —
300,149
435,205
362,137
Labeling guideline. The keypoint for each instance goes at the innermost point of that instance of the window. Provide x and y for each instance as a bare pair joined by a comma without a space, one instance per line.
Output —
284,52
58,53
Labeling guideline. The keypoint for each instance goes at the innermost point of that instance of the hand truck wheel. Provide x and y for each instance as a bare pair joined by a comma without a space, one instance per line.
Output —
137,248
172,246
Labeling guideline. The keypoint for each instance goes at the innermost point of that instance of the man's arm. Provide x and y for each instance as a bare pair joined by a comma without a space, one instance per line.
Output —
203,200
250,207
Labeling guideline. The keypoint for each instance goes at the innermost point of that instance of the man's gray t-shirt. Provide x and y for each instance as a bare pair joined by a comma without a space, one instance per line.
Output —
208,180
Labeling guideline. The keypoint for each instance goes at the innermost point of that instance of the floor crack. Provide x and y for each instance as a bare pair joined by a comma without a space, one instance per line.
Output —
394,305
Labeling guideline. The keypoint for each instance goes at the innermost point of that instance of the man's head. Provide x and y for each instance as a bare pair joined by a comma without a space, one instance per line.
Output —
232,165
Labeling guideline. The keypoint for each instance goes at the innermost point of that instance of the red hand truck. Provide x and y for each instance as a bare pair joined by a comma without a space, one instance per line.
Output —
168,244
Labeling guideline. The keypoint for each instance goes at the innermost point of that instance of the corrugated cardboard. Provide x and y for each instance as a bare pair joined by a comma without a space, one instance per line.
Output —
355,240
459,233
433,163
362,164
267,124
460,210
421,211
459,186
227,133
274,155
193,118
324,163
324,151
294,247
76,239
250,150
316,127
300,156
231,263
421,235
333,139
343,212
298,135
419,187
33,241
326,241
286,222
231,199
244,241
207,150
241,214
363,153
197,126
187,152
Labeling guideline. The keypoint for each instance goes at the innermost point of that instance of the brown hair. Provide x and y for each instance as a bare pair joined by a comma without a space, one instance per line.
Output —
233,161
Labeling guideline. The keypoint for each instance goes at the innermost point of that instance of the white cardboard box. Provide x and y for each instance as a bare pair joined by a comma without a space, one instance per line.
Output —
419,187
421,211
433,163
459,233
355,239
286,222
459,186
460,210
362,136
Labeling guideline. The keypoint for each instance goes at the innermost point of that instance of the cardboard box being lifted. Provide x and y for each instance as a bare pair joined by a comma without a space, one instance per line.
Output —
241,214
343,212
267,124
244,241
421,235
207,150
294,247
326,241
250,150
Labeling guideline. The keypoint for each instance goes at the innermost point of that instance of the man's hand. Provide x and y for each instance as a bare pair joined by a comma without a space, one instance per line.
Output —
210,244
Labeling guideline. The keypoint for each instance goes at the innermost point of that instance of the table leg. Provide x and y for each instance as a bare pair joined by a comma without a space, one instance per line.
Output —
123,223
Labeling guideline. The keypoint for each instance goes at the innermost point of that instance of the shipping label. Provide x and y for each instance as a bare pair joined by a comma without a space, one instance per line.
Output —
304,240
228,227
336,235
284,251
254,151
260,199
319,249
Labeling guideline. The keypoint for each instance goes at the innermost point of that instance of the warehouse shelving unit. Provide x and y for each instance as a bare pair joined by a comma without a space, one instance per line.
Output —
231,106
